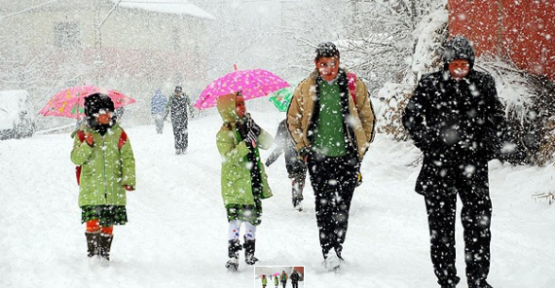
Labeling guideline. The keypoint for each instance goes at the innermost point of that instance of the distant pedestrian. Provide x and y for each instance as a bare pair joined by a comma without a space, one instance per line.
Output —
180,108
276,281
158,104
453,117
296,168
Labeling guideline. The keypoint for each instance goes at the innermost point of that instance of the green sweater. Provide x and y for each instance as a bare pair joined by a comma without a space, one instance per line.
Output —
330,138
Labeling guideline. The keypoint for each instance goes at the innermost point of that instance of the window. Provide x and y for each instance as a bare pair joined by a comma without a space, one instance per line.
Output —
67,35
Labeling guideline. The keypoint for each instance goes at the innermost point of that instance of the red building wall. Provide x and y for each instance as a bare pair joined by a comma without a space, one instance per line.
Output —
522,30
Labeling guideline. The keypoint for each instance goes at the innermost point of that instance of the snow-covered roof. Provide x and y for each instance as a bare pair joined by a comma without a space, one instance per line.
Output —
166,6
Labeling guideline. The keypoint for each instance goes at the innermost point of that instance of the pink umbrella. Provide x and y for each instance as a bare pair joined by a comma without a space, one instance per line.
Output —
276,274
252,84
69,102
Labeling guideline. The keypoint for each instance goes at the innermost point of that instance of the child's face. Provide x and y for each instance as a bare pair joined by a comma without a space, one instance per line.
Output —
240,106
104,117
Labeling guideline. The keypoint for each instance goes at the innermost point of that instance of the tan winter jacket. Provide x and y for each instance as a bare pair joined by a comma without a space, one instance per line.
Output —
302,105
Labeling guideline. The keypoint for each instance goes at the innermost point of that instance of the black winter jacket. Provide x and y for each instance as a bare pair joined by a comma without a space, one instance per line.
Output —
452,119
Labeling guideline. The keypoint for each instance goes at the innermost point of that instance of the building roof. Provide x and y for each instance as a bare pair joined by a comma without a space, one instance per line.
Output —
166,6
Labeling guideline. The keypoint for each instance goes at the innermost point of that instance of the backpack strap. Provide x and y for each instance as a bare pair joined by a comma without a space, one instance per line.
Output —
122,139
81,135
352,80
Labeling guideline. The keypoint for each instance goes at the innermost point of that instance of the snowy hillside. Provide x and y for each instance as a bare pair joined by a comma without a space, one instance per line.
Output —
177,234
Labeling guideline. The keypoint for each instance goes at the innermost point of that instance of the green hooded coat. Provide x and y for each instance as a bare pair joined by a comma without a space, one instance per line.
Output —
105,168
236,175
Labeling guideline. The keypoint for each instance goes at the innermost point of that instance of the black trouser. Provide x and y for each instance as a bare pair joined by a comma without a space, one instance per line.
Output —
180,133
283,283
333,181
295,284
470,181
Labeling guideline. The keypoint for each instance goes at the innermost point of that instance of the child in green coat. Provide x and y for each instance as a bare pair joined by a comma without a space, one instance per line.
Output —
244,182
264,281
107,170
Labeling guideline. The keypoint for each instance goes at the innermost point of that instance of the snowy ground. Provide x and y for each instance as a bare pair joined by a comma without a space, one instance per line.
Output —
177,232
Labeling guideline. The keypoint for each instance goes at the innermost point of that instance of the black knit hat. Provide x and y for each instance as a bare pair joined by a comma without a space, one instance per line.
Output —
326,49
96,102
458,48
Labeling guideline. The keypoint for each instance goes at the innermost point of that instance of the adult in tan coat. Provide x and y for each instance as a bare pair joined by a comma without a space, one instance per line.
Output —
332,124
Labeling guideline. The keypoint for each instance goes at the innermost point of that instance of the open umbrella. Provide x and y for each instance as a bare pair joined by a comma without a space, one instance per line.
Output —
252,83
282,98
69,102
276,274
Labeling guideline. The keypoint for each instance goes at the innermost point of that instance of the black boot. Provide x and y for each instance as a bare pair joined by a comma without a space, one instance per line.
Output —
249,251
233,253
105,245
92,243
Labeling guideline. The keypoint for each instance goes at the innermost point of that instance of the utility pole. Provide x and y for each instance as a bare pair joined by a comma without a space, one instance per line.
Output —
98,22
97,42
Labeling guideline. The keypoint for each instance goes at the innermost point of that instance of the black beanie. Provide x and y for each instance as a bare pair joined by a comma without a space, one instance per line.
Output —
96,102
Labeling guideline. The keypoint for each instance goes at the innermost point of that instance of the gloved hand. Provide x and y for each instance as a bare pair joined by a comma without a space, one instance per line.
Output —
128,188
250,140
304,153
252,126
89,139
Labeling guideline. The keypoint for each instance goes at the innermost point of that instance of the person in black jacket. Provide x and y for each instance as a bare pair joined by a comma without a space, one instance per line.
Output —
296,168
295,279
453,117
180,108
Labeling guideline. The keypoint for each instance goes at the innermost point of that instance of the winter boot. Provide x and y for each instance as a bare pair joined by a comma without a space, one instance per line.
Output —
233,253
105,245
92,243
249,246
332,262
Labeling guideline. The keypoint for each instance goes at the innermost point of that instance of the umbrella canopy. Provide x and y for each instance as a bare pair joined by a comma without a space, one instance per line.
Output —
282,98
70,102
252,84
276,274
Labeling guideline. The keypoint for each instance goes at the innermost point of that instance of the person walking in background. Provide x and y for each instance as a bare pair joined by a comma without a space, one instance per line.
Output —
295,279
107,170
276,281
158,104
244,182
454,117
283,278
179,106
296,168
332,129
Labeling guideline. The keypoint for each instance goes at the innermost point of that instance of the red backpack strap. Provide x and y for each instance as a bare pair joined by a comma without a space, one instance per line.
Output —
352,80
81,135
122,139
